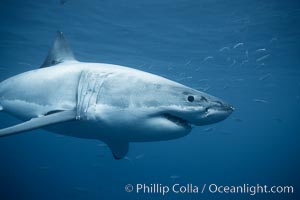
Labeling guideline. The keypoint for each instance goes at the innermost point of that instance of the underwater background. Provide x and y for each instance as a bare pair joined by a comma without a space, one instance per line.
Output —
246,52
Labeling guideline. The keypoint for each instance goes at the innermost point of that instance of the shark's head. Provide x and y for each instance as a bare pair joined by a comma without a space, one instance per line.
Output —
181,108
192,107
156,108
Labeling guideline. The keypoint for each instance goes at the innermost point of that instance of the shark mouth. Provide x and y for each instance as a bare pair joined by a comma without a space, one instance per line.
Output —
179,121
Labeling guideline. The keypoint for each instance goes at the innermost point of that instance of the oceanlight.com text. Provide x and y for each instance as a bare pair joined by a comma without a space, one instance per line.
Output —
189,188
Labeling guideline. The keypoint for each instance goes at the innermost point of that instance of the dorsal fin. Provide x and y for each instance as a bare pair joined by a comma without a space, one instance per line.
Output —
59,52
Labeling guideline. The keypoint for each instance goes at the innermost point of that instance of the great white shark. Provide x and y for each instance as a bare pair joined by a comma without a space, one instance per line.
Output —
111,103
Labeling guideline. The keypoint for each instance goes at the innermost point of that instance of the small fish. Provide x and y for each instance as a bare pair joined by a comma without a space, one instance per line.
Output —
224,48
207,58
262,58
188,62
247,54
204,89
127,158
208,129
261,50
204,79
273,39
184,78
238,44
59,136
142,65
237,119
244,61
233,63
225,86
174,177
170,68
23,63
139,157
101,145
260,100
264,77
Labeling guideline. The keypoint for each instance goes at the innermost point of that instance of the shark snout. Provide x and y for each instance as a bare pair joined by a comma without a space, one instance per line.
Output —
215,112
221,106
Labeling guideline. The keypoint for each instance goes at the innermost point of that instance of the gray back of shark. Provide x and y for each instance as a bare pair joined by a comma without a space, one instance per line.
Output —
111,103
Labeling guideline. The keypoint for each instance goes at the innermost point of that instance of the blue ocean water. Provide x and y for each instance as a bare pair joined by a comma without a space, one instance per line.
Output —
245,52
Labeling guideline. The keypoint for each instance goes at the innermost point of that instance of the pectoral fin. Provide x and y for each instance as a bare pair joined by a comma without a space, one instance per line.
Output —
119,148
39,122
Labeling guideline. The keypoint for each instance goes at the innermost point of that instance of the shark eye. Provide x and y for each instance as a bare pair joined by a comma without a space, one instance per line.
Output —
190,98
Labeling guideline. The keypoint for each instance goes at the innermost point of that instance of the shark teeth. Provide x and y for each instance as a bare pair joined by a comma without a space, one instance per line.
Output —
177,120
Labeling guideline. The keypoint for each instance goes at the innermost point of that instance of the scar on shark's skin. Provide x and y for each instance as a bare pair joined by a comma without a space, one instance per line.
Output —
111,103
